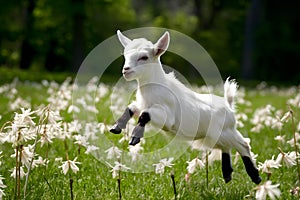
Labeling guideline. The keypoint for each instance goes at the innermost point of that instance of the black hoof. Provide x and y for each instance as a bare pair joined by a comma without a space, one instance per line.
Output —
134,141
115,129
257,180
227,179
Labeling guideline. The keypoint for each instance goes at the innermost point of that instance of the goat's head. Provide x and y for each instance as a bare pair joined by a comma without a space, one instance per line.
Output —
141,55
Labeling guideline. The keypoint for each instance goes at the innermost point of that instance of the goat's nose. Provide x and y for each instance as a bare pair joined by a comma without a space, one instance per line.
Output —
126,68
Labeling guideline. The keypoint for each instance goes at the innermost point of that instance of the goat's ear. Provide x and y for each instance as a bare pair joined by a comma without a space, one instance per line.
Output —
123,39
162,44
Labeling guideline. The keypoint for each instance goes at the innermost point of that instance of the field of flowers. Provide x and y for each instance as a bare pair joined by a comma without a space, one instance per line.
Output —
55,144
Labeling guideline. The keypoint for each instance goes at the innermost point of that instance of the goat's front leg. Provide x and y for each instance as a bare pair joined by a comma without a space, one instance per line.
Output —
138,131
122,121
159,117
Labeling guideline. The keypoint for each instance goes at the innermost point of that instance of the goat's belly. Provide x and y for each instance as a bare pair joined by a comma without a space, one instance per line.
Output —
206,125
191,129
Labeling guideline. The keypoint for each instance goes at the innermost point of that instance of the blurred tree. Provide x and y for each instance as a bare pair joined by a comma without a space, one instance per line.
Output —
9,32
78,33
277,53
27,49
56,35
251,26
206,12
53,34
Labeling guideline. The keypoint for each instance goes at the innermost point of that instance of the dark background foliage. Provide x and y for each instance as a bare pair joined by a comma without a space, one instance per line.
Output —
254,40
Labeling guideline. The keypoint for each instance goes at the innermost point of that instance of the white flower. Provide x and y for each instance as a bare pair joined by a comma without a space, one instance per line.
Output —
59,159
292,142
289,159
81,101
91,148
40,161
267,189
65,133
240,117
102,90
53,117
74,126
113,152
118,167
14,172
102,127
73,108
196,162
257,128
160,167
264,117
48,132
214,155
295,102
280,138
268,164
134,151
1,194
92,109
26,155
1,182
25,117
1,187
81,140
90,130
17,103
286,116
70,164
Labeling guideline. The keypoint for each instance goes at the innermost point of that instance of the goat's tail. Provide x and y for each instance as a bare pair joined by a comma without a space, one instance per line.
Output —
230,90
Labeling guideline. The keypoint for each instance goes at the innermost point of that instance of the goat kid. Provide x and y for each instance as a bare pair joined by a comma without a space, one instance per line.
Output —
165,102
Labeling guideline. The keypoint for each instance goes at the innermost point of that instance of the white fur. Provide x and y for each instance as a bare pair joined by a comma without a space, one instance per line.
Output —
174,107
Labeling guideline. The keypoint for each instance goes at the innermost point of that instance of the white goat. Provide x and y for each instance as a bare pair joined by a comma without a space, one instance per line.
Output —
165,102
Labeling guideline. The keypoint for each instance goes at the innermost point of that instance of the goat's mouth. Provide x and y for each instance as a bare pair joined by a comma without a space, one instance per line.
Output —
127,73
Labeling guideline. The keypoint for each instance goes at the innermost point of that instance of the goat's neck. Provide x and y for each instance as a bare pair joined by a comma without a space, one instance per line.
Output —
155,74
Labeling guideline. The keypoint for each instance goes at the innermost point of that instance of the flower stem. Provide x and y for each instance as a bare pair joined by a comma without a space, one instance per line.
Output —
66,148
30,164
19,172
174,184
206,166
16,171
71,187
119,188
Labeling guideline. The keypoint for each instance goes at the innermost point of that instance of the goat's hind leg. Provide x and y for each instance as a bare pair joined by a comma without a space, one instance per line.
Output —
251,169
226,166
121,122
244,150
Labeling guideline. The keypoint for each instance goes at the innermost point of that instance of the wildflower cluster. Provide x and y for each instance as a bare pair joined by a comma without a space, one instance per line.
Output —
27,138
44,124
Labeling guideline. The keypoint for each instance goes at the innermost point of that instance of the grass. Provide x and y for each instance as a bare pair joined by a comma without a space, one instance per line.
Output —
94,179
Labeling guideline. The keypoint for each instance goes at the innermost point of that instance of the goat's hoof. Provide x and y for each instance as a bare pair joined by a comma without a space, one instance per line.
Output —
227,179
257,180
115,129
134,141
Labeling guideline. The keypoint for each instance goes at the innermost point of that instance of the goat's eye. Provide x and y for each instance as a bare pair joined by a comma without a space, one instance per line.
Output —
143,58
